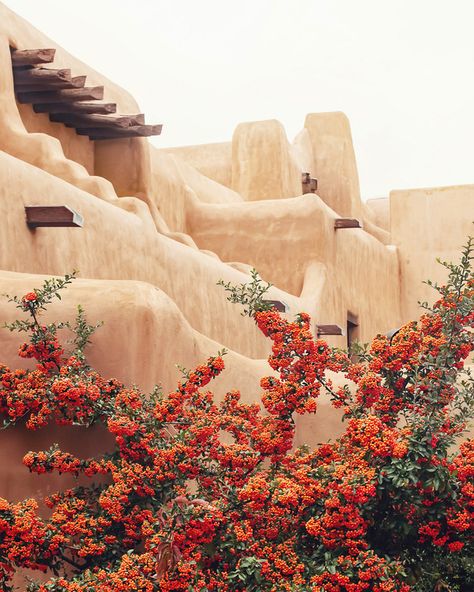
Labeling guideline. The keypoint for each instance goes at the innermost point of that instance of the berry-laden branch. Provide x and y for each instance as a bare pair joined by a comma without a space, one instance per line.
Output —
205,495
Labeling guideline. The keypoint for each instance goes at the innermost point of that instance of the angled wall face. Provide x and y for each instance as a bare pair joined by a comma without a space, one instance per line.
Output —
334,163
212,160
263,166
426,224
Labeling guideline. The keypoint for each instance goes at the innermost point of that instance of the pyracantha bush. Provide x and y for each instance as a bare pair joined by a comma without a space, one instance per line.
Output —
199,495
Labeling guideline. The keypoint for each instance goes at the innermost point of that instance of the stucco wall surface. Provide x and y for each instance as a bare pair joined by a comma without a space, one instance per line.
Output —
263,165
334,162
426,224
287,238
212,160
119,243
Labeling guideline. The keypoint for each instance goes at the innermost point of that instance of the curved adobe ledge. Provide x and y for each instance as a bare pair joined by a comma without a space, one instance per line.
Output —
118,244
138,321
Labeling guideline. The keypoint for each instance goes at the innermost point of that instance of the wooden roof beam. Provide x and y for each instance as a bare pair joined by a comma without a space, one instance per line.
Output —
41,76
52,216
97,120
75,82
329,330
107,133
76,107
31,57
346,223
279,305
64,95
309,184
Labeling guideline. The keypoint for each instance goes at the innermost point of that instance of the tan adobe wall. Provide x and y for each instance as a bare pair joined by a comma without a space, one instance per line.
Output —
426,224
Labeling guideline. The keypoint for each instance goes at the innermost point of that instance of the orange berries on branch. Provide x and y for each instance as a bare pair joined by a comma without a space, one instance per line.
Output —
200,495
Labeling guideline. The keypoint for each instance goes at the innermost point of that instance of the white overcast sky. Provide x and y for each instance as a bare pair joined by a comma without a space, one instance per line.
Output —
402,70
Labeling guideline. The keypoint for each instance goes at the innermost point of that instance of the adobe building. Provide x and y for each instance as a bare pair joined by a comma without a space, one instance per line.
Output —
151,231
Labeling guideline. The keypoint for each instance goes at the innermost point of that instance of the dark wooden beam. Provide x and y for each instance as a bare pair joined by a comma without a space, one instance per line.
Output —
346,223
41,76
95,120
78,82
67,100
31,57
137,119
79,107
278,304
75,82
311,186
137,131
329,330
64,95
149,130
52,216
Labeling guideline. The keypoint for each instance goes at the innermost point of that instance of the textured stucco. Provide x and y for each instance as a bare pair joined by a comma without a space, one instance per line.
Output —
334,162
427,224
263,166
212,160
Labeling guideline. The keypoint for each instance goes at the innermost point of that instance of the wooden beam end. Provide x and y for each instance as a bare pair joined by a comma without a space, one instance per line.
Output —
53,216
32,57
347,223
278,304
329,330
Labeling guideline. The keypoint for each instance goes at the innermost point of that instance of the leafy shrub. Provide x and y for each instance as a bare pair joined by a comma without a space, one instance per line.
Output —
388,506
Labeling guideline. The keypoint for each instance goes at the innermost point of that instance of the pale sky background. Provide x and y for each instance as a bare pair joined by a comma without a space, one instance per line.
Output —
402,70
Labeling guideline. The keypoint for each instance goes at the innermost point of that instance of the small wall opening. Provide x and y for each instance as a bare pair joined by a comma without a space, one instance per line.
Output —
352,330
